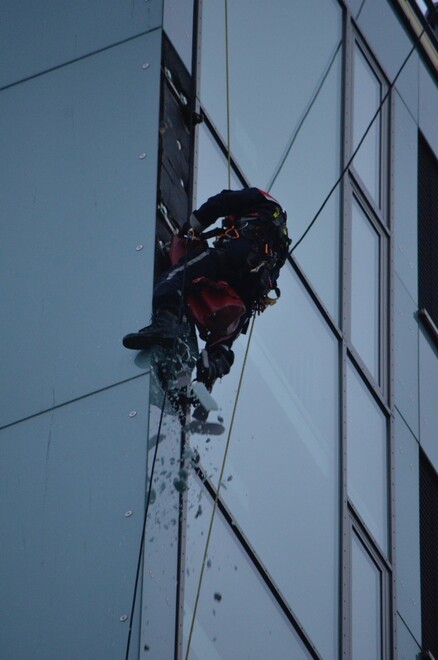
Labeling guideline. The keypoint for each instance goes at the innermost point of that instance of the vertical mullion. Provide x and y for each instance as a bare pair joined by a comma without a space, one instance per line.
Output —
389,372
345,573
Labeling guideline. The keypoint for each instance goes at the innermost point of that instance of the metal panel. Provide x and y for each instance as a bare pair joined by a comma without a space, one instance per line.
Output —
37,35
406,356
72,487
407,527
79,201
405,198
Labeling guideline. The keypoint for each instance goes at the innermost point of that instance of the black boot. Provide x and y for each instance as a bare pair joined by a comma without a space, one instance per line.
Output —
162,332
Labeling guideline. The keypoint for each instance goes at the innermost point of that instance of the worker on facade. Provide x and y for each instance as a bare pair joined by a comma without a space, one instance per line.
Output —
248,253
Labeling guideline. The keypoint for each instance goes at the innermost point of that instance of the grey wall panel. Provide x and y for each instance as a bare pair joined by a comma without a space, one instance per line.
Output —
36,35
79,159
428,108
405,201
407,527
69,552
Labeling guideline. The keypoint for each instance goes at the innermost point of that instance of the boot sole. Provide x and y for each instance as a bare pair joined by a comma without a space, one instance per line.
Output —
137,342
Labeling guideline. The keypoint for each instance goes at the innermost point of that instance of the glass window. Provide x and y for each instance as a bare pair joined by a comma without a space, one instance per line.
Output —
367,457
281,477
366,606
212,168
367,93
285,87
178,24
236,617
365,282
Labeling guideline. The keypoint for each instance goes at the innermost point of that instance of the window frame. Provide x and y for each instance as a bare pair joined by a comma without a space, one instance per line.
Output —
355,530
381,210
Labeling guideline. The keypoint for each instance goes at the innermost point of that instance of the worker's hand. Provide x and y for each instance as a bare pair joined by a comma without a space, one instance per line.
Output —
214,364
187,231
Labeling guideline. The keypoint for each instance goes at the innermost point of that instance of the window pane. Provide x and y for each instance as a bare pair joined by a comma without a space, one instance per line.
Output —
178,24
281,474
367,91
367,457
366,605
365,274
212,168
237,617
284,114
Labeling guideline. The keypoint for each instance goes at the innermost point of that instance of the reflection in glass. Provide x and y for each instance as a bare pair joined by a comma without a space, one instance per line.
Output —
236,616
284,114
366,605
212,168
367,457
281,477
365,275
178,24
367,93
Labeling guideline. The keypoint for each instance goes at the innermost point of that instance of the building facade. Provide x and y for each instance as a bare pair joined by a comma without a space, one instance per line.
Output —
302,521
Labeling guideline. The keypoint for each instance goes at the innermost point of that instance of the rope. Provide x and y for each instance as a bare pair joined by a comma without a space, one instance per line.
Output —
221,475
350,160
227,82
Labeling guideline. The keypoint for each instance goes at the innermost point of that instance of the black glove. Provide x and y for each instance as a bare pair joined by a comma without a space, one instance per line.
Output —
213,364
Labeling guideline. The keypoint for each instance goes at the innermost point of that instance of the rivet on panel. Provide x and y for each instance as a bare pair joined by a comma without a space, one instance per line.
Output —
128,514
146,65
139,247
133,413
142,156
124,617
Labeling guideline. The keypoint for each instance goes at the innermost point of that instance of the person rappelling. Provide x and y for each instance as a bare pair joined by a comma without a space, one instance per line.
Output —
219,288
